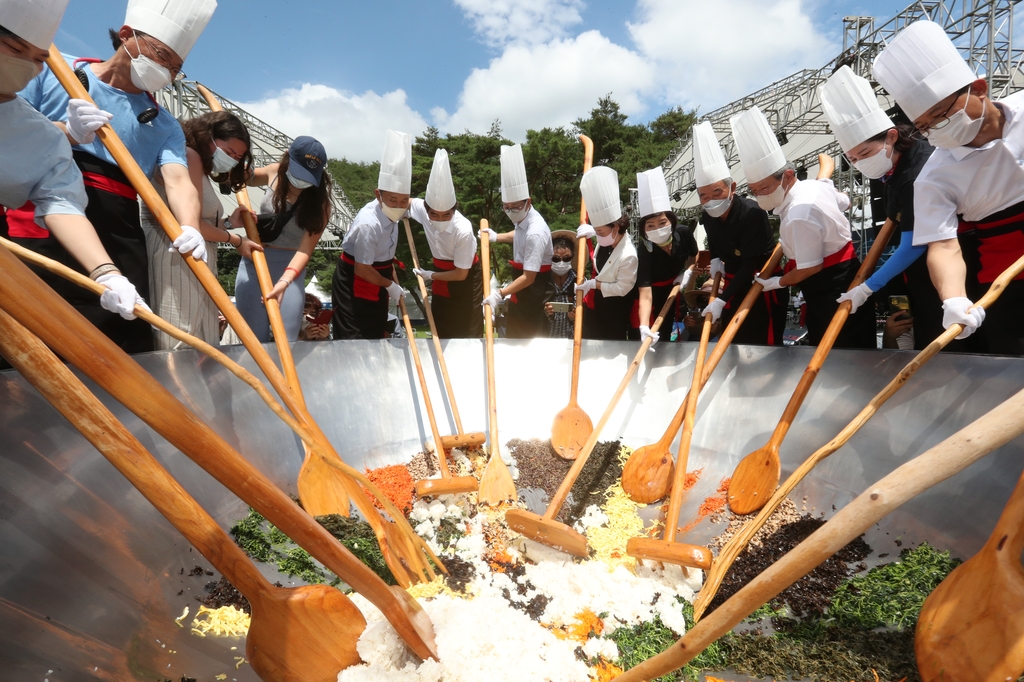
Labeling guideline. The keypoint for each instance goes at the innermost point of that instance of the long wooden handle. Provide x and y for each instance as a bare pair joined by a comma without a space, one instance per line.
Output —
679,478
423,387
803,387
71,398
577,465
948,458
433,332
581,262
492,394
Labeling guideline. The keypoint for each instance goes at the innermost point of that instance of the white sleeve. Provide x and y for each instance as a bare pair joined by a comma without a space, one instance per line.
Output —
362,243
533,253
418,211
935,214
625,277
60,191
465,248
808,243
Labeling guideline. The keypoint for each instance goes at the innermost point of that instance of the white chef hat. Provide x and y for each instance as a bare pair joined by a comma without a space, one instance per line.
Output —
757,145
396,163
176,23
652,192
600,189
440,194
513,175
709,164
34,21
921,67
851,107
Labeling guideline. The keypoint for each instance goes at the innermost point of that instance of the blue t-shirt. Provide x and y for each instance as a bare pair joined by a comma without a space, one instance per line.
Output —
159,142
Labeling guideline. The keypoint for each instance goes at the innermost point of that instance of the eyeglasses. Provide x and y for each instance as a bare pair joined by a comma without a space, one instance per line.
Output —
515,208
164,60
943,119
561,259
763,192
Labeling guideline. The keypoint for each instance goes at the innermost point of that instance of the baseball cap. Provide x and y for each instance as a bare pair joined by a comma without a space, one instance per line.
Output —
308,158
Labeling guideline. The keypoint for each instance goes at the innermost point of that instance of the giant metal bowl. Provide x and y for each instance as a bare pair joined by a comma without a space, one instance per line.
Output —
92,577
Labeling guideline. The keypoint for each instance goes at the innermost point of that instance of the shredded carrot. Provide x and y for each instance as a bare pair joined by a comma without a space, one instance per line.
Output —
723,487
692,478
710,505
396,483
606,672
586,623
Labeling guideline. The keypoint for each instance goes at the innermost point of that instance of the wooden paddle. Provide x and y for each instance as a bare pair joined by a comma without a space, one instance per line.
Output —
667,549
545,529
948,458
649,469
757,474
461,439
321,492
496,485
63,328
296,634
572,425
447,484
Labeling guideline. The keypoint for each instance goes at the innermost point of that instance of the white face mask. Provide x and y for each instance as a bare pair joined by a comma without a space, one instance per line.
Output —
661,235
296,183
517,216
959,131
561,268
393,214
16,73
606,240
147,75
441,225
717,207
222,161
772,201
876,165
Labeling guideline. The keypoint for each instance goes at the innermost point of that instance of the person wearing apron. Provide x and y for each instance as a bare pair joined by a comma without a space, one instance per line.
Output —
456,280
364,280
532,287
813,230
150,49
667,251
969,196
609,293
740,241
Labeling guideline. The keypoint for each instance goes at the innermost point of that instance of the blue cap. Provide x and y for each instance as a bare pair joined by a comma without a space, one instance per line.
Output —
308,158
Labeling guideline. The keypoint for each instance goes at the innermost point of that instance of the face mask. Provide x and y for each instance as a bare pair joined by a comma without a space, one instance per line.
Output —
717,207
222,161
772,201
147,75
607,240
660,236
959,131
441,225
518,216
16,73
875,166
393,214
561,268
296,183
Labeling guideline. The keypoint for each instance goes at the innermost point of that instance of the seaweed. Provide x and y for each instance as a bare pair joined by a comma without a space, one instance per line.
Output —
359,538
640,642
265,543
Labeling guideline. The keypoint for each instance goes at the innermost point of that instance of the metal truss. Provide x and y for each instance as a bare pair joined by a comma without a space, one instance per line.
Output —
183,100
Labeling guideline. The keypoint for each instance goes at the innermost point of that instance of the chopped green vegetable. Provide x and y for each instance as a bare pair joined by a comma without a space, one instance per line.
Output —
264,542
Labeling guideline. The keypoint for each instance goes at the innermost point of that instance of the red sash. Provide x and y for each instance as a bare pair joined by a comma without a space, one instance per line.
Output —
110,186
841,256
440,287
519,266
21,223
360,287
1000,241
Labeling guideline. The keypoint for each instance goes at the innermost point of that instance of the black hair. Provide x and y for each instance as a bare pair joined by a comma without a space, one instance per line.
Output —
671,215
313,207
563,243
201,131
115,37
6,32
908,136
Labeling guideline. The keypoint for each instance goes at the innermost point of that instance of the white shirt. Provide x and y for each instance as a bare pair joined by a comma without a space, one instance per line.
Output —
36,164
618,275
531,244
372,237
457,244
813,223
971,181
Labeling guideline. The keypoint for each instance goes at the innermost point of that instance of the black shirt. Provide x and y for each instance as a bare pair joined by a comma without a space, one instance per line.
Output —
654,265
899,187
743,241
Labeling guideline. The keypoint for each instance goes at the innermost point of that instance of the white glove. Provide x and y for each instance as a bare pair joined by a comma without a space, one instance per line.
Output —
683,278
715,308
585,231
425,274
955,311
646,333
120,296
84,119
190,241
857,296
717,267
395,292
490,233
769,284
494,299
587,285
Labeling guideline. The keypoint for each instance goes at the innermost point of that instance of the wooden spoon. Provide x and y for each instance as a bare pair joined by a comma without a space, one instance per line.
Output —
649,469
496,485
301,634
572,424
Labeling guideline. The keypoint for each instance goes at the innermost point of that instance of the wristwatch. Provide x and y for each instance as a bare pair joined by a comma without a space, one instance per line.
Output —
227,223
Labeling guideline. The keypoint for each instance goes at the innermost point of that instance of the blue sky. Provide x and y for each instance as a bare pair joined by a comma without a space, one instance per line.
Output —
346,71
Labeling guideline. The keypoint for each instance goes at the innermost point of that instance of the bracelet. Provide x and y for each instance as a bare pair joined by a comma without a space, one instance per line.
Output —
230,235
104,269
293,270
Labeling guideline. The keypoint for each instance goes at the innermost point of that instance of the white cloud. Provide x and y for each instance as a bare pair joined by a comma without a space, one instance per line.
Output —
348,125
521,21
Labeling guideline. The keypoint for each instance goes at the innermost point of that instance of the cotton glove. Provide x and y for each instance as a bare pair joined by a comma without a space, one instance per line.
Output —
120,296
494,299
683,278
491,234
646,333
425,274
715,308
717,267
857,296
84,119
190,241
395,292
587,285
955,311
770,284
585,231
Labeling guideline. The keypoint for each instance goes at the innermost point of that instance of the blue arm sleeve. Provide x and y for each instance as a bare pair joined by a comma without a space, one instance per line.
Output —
905,254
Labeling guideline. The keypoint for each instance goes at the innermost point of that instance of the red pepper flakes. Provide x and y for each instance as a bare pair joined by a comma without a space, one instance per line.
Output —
710,505
692,478
396,483
723,487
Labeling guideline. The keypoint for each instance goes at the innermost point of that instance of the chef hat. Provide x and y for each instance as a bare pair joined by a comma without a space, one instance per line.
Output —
758,147
600,189
851,108
652,192
396,163
176,23
34,21
513,175
709,164
921,67
440,194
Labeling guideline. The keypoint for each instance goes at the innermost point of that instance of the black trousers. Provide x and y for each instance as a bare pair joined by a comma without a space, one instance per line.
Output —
360,308
766,320
820,292
525,318
459,314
